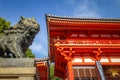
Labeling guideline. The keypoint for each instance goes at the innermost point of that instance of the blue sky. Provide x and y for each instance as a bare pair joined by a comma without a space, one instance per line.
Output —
13,9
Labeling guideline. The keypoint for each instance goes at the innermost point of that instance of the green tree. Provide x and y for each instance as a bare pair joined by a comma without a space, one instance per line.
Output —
3,25
52,77
29,53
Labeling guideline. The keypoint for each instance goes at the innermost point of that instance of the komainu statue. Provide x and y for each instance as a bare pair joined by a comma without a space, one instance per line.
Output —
18,38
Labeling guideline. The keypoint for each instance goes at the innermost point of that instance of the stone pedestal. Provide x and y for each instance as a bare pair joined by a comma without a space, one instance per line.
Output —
17,69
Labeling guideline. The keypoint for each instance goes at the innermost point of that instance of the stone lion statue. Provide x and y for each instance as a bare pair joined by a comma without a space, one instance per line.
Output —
18,38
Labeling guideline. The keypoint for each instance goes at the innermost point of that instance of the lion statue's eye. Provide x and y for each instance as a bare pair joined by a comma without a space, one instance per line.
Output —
34,22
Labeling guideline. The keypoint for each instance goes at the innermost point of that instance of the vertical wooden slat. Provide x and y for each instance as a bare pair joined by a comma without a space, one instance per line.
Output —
94,73
87,72
81,72
75,72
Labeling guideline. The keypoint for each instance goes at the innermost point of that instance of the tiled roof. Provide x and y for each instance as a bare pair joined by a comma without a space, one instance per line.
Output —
86,19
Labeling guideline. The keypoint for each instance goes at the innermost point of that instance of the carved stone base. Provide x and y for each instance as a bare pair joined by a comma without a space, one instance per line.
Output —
17,69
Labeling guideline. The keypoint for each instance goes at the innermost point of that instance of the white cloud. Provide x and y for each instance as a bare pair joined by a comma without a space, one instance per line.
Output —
36,47
87,9
71,1
39,49
39,45
117,2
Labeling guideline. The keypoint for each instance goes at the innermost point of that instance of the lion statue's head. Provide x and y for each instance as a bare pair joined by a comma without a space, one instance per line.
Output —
29,23
24,24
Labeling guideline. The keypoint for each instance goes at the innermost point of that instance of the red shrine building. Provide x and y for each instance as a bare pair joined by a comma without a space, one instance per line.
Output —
42,69
84,49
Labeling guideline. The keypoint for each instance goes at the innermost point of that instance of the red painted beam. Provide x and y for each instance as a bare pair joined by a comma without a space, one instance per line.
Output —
93,63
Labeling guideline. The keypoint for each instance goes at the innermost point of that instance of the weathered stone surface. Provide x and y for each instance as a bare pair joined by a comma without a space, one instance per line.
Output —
26,78
17,62
17,69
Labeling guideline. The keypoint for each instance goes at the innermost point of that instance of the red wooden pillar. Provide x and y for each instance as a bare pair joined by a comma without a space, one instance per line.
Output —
70,70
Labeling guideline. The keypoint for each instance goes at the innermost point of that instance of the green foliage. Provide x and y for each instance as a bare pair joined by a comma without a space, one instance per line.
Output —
52,77
3,25
29,53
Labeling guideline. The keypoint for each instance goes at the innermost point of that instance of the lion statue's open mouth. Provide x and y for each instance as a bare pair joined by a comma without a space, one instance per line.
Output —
18,38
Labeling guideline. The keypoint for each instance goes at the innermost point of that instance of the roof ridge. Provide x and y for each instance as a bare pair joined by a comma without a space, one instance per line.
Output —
81,18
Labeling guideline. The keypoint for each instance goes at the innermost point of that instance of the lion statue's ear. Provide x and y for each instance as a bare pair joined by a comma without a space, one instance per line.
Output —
22,18
33,18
